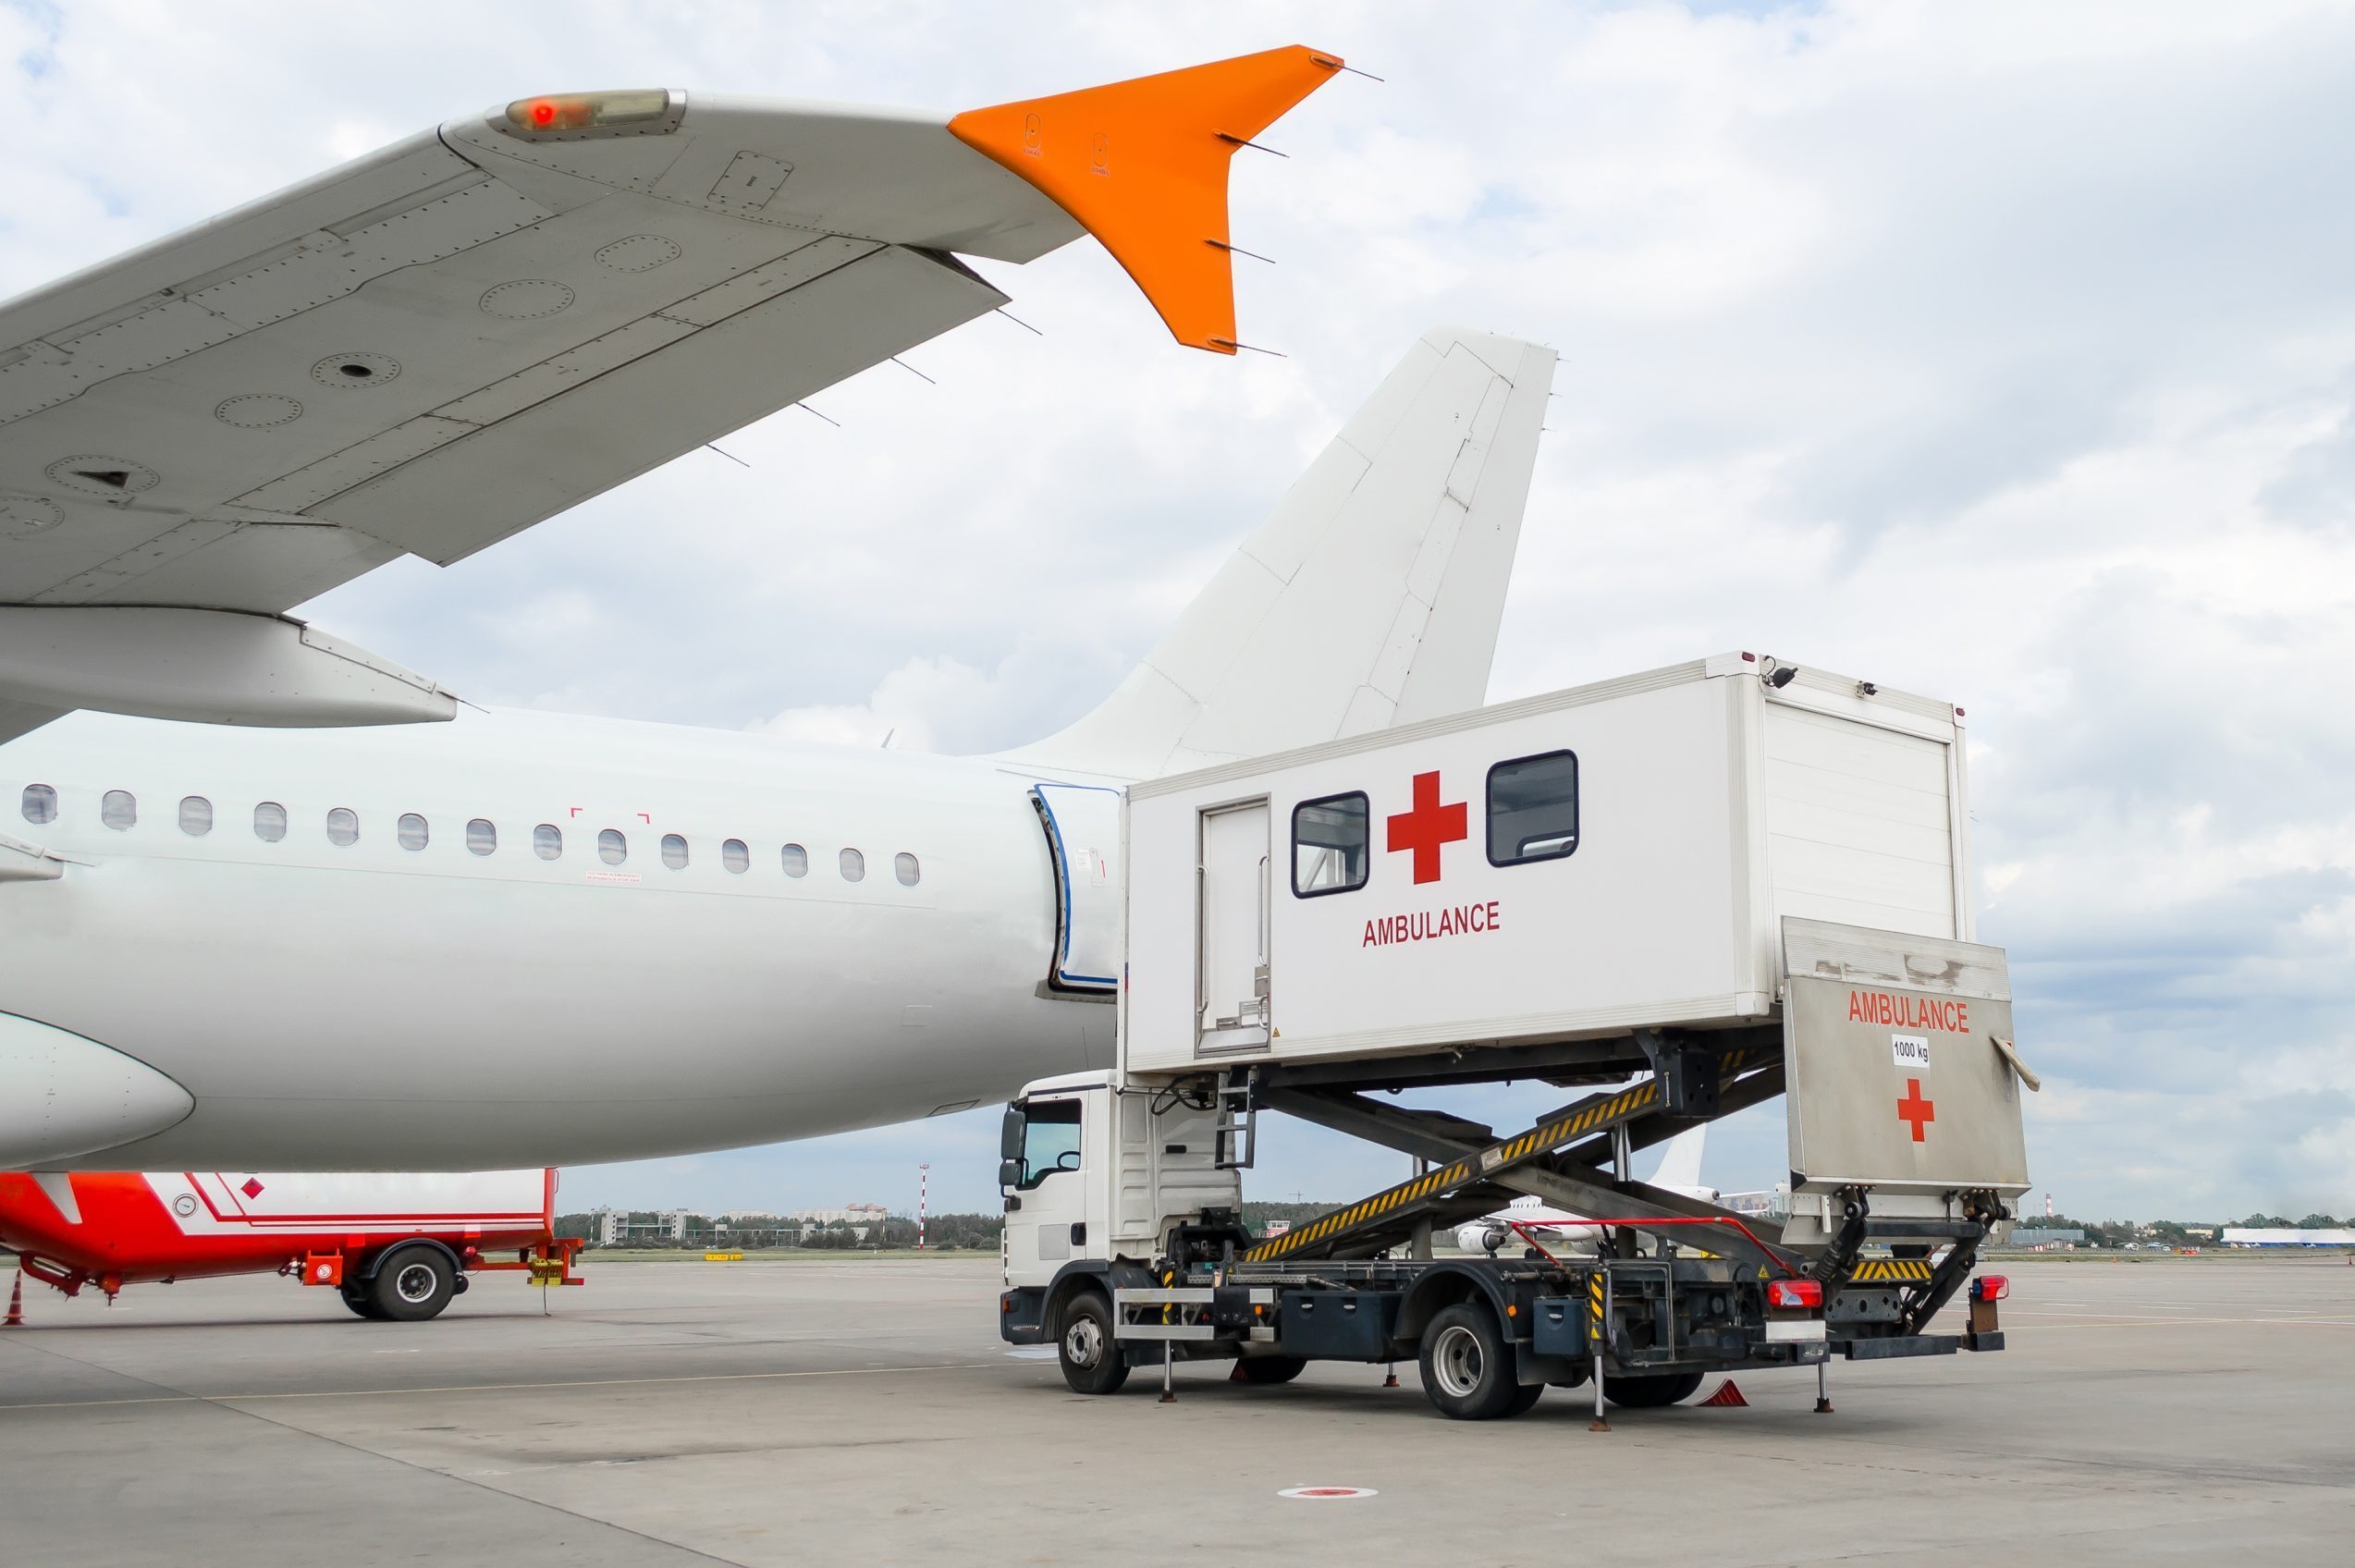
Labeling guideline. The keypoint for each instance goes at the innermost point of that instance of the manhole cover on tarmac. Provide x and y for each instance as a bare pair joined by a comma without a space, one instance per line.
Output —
1326,1494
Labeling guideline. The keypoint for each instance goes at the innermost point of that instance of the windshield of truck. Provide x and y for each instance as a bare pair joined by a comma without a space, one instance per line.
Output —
1050,1141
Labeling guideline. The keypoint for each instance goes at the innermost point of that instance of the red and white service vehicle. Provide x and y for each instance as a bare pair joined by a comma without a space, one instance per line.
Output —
396,1246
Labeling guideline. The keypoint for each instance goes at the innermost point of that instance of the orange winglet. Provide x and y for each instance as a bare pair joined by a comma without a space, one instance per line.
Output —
1143,165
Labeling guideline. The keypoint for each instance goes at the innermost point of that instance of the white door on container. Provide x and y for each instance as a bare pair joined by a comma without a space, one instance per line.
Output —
1231,931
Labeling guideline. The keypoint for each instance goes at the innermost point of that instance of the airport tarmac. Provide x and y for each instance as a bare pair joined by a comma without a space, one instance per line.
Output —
864,1412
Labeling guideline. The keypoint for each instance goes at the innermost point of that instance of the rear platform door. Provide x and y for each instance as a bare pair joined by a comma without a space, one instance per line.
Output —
1231,931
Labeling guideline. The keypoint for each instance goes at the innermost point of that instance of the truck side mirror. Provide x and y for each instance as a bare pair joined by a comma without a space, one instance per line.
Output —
1009,1172
1009,1134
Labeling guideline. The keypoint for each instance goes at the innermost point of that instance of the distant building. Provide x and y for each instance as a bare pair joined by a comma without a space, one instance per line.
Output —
849,1214
620,1227
2244,1236
2047,1235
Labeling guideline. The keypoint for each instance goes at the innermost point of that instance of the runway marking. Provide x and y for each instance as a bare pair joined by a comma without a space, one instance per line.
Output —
2121,1319
501,1388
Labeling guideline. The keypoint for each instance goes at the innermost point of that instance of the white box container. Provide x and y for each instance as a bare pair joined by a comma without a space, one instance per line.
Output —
1708,803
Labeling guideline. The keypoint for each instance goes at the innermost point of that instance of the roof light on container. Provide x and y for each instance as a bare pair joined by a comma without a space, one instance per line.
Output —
561,114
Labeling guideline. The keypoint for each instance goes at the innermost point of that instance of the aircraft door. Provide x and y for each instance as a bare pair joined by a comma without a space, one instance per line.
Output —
1084,834
1231,930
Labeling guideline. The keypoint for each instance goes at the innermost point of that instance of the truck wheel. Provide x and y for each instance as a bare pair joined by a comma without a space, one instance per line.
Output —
1650,1391
1271,1368
1467,1368
1524,1397
411,1285
356,1298
1084,1343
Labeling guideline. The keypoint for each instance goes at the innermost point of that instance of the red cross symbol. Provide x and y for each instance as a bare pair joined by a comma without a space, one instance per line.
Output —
1916,1110
1428,826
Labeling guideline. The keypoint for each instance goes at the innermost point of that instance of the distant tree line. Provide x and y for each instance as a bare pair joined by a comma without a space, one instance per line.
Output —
2172,1233
942,1233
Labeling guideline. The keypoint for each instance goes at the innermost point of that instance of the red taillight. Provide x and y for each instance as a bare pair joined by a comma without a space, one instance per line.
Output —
1795,1294
1990,1287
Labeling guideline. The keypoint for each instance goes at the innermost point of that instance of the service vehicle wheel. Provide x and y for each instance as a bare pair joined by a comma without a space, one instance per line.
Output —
1084,1343
411,1285
1271,1368
1525,1396
356,1297
1650,1391
1467,1368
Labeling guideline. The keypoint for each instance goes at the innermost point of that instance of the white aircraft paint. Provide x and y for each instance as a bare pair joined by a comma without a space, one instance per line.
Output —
400,1002
1679,1172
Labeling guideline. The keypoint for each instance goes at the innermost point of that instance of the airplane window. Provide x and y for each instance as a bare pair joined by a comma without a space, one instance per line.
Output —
674,852
119,810
796,859
269,822
40,804
1533,808
196,816
854,865
734,856
547,841
905,867
343,826
409,831
482,837
612,848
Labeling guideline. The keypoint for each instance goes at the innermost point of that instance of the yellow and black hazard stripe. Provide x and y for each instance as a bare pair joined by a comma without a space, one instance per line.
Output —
1597,1309
1890,1271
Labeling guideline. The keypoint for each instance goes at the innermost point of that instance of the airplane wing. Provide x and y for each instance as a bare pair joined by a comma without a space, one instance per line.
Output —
447,341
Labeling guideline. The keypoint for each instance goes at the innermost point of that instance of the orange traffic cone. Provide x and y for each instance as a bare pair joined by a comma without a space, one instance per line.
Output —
15,1303
1726,1397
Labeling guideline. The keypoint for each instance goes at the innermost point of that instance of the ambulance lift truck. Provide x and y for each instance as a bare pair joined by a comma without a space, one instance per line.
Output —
1674,896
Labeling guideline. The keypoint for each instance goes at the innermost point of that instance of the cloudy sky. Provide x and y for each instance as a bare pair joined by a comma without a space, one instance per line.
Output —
2004,352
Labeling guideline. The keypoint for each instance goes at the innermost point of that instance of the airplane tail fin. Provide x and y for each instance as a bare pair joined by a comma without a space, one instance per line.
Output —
1370,596
1680,1160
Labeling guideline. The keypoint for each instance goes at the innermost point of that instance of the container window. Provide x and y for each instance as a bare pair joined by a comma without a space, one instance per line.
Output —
343,826
40,805
612,848
674,852
482,837
796,860
547,841
854,865
1330,843
196,816
119,810
411,832
269,821
1533,808
905,867
734,856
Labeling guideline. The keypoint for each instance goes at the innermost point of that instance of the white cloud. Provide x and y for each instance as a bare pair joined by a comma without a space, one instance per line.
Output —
2007,353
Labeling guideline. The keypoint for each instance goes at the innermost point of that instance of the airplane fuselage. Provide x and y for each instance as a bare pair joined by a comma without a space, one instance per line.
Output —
480,943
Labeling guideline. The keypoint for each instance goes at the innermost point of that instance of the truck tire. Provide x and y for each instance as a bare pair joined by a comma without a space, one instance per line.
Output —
1271,1369
1650,1391
1091,1358
1524,1398
1467,1368
356,1297
411,1284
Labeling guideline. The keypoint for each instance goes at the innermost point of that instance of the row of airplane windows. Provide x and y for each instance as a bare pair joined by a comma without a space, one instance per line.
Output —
119,809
